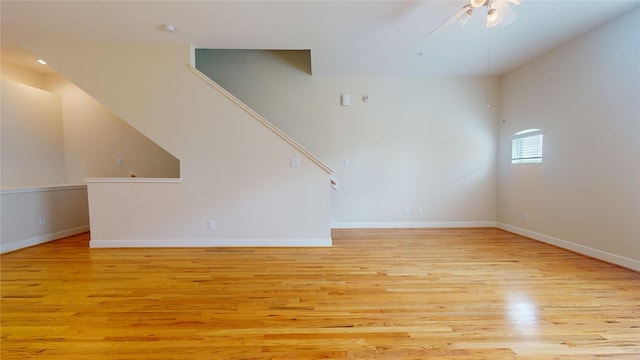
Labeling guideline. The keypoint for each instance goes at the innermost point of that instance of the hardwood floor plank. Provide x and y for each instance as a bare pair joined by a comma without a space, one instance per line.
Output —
376,294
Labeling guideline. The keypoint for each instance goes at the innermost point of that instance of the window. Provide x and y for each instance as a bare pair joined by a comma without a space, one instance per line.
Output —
526,147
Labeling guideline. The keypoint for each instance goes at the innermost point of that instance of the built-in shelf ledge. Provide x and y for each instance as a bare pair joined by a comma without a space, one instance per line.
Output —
133,180
42,188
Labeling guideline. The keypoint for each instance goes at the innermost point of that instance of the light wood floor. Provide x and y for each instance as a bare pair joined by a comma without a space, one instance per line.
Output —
377,294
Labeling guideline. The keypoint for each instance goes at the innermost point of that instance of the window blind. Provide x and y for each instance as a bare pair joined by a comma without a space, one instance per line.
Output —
526,147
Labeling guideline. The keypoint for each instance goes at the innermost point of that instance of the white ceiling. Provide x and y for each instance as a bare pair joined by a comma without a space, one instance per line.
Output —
345,37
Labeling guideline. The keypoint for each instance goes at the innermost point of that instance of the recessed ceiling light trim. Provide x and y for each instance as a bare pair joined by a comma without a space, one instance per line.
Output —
41,62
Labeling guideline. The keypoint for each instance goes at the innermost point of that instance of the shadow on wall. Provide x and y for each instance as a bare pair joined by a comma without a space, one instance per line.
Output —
299,60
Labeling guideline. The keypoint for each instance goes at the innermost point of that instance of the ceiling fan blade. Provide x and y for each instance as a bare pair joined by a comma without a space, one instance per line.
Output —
453,18
503,8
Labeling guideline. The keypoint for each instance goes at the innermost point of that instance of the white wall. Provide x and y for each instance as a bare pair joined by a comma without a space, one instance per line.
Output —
32,145
32,216
53,133
427,143
21,75
235,171
95,138
89,137
585,96
32,160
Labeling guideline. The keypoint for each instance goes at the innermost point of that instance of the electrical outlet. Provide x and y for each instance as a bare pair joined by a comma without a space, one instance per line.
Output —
525,216
407,211
420,211
42,221
210,224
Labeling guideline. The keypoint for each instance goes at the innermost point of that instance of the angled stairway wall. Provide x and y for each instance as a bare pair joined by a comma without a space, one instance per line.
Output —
235,171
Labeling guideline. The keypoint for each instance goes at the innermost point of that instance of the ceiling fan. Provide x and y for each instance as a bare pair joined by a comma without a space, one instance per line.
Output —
498,12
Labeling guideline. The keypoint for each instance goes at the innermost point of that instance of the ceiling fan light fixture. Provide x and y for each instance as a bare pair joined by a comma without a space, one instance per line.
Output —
464,18
493,18
499,13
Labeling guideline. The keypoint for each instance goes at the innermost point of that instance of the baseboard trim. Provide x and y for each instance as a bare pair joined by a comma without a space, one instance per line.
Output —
568,245
21,244
181,243
408,225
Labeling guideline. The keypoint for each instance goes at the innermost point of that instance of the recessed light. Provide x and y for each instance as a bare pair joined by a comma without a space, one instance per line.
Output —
42,62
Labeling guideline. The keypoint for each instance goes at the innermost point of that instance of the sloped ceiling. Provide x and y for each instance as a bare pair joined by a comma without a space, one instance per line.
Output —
381,38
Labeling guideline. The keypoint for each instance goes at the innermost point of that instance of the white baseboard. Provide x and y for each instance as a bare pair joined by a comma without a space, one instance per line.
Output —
580,249
21,244
409,224
177,243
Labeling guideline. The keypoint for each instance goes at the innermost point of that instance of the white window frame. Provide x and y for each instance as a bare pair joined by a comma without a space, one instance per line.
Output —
526,147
